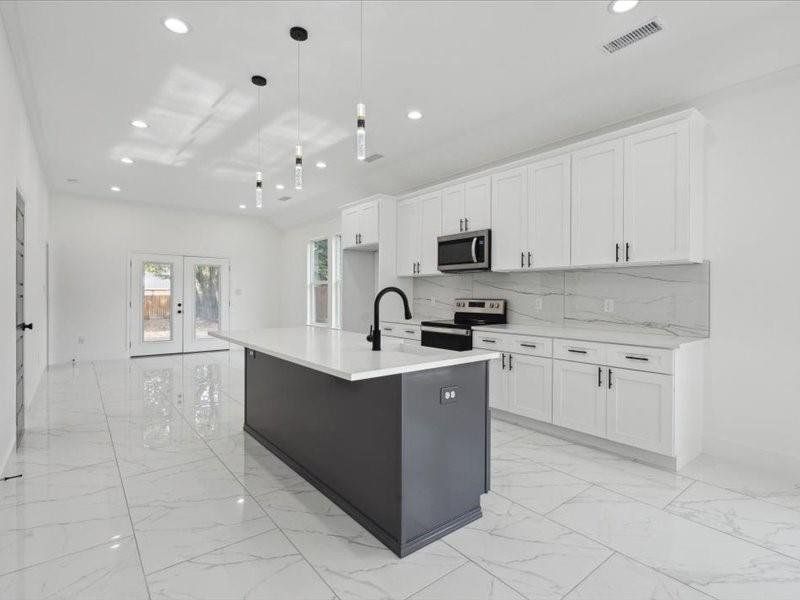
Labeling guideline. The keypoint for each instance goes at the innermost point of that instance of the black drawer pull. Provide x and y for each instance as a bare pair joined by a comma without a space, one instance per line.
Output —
488,340
411,331
642,358
524,345
387,329
575,351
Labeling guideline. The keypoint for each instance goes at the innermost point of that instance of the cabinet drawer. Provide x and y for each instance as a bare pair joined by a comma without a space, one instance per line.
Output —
534,346
502,342
656,360
578,351
399,330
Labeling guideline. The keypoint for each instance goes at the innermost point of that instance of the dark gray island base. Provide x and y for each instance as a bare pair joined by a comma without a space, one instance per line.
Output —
398,453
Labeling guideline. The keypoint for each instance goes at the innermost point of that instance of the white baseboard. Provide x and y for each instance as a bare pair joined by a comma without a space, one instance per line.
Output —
7,455
769,460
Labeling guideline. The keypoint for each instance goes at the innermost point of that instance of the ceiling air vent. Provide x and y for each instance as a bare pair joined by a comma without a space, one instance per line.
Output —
632,37
373,157
284,198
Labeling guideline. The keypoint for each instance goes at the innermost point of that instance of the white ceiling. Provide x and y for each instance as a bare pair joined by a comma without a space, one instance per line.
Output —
492,79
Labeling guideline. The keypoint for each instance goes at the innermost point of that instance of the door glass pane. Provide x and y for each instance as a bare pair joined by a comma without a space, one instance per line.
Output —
207,298
157,302
319,264
320,303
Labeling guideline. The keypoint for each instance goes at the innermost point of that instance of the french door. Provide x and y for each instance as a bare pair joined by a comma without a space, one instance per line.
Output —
175,301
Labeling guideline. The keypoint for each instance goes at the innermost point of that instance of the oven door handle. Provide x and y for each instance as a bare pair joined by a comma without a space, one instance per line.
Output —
447,330
474,249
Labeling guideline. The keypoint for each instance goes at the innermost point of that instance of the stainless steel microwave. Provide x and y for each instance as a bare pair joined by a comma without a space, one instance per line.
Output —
467,251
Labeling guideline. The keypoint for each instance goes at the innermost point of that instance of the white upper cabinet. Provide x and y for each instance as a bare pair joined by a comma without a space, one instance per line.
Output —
419,223
548,217
658,218
509,208
597,203
360,225
467,206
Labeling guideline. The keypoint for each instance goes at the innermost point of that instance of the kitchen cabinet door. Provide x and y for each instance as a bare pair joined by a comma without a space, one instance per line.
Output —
408,225
597,203
579,397
350,217
533,387
657,194
639,410
368,223
498,392
478,204
549,212
453,210
509,203
430,211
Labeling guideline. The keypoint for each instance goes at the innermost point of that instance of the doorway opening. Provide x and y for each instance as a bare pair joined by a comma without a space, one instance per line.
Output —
174,303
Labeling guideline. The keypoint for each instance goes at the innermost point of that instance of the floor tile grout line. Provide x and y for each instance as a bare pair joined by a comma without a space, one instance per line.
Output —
482,568
224,464
122,483
596,541
688,487
589,574
427,585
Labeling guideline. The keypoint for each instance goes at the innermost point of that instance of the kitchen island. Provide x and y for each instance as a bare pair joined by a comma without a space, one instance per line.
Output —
397,438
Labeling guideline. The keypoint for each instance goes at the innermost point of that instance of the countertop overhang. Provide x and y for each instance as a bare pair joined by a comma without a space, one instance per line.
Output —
346,354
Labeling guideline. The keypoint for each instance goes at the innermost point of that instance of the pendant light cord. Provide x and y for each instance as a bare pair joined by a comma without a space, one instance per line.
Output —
361,33
258,125
298,93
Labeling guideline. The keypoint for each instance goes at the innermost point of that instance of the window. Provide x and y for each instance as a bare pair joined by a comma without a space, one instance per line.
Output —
324,279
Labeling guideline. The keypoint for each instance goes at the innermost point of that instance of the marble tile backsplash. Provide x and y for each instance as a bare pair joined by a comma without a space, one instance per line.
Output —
670,299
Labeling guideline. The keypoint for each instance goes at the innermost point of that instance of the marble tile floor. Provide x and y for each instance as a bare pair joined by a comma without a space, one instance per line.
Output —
139,483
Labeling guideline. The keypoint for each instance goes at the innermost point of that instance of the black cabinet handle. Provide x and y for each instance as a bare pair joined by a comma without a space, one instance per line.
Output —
609,379
599,377
576,351
524,345
529,259
466,223
489,340
642,358
411,331
503,356
509,362
521,259
627,251
461,224
24,326
616,252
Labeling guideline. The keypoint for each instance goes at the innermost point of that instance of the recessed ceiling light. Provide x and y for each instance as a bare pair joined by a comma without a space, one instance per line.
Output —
127,160
242,206
622,6
279,186
321,164
115,188
176,25
414,115
139,124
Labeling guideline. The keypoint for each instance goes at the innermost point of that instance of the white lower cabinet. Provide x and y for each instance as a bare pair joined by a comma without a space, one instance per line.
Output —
639,409
531,380
579,397
498,384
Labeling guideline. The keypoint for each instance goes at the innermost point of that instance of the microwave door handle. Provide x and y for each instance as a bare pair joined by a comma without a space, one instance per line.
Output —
474,249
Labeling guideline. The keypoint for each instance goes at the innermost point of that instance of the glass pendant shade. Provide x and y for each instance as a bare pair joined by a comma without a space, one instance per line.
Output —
361,131
298,168
259,190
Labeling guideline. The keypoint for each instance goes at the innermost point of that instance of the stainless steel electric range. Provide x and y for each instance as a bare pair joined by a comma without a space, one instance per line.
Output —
456,333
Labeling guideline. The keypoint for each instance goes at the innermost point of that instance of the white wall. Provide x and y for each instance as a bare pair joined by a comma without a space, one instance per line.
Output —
91,241
753,191
20,168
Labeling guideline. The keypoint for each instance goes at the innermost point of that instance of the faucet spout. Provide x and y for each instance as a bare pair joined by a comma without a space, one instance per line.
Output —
375,330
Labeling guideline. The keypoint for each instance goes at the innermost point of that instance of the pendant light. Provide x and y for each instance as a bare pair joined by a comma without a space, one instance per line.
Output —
298,34
361,109
259,81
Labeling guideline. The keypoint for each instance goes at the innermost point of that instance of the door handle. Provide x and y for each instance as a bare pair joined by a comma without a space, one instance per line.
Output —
599,376
524,345
461,224
474,249
529,259
616,252
509,362
466,223
489,340
633,357
24,326
609,379
503,356
521,259
627,251
576,351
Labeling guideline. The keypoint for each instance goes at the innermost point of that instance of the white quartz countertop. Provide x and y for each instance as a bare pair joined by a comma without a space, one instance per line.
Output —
611,336
346,354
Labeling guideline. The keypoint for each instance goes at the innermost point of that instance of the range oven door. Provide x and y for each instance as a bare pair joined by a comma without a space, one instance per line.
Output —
467,251
446,338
